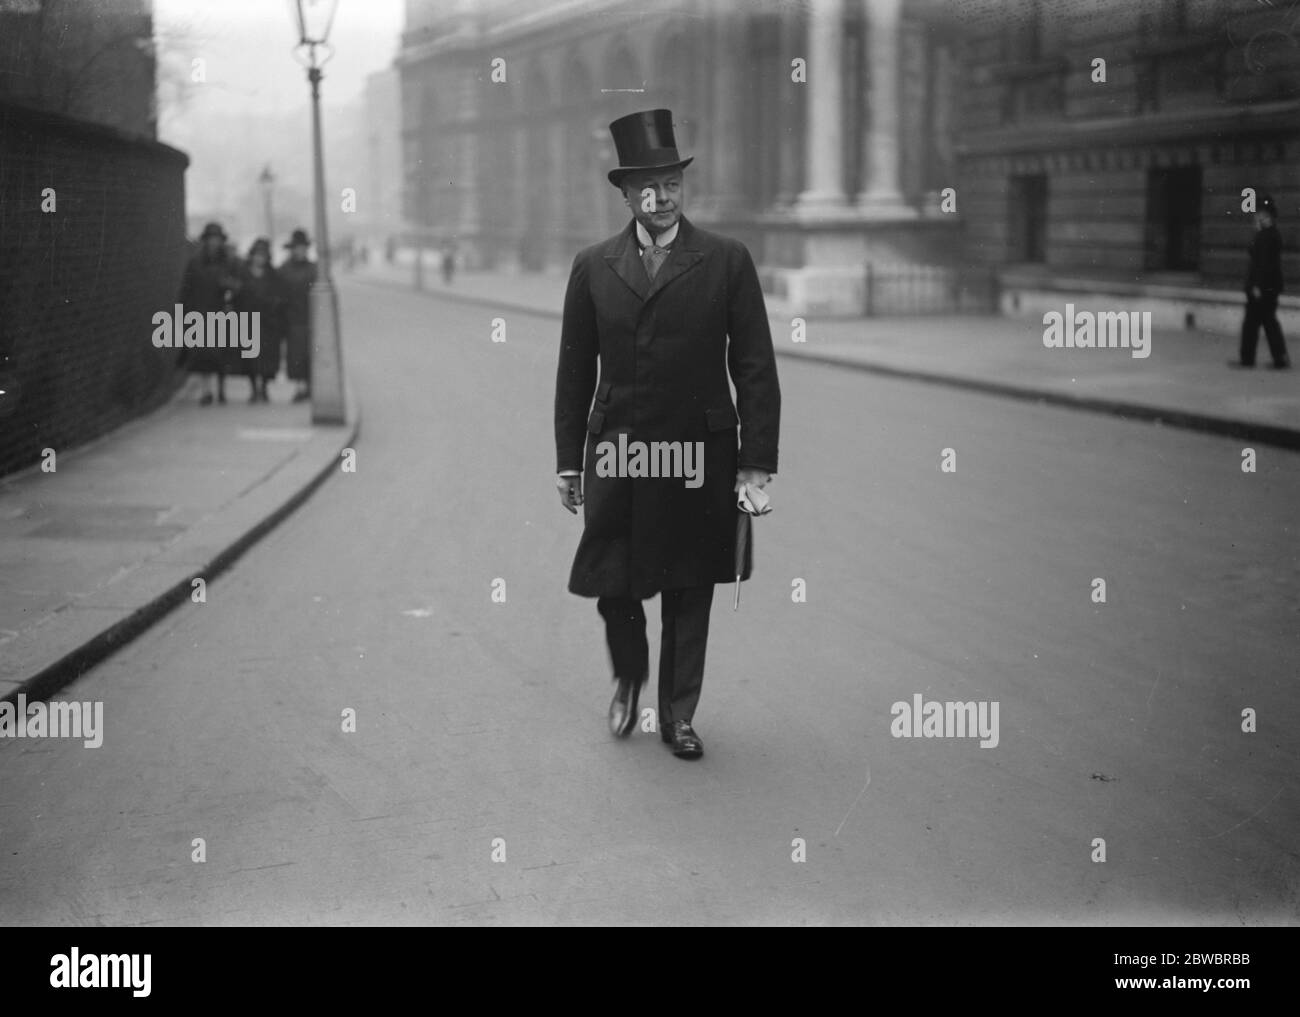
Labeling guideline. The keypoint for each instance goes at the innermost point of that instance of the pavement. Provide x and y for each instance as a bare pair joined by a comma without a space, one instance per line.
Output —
98,549
1185,382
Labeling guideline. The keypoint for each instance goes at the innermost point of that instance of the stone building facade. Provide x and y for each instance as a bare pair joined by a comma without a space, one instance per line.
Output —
380,214
822,131
1122,182
827,133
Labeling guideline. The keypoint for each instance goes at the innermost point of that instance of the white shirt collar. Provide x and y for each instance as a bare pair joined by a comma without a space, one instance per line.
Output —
663,240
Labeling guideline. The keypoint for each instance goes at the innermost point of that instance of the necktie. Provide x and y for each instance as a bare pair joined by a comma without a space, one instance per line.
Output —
653,257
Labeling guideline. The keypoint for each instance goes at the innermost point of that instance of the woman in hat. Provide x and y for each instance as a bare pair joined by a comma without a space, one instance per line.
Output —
296,277
210,283
260,295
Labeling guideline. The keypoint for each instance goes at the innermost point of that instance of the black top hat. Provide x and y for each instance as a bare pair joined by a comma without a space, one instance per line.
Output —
260,244
645,141
298,239
212,229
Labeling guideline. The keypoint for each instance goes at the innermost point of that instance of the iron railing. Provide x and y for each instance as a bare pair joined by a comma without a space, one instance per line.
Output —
929,289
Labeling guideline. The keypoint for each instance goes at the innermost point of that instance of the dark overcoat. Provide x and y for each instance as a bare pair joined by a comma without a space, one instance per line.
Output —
665,350
296,278
210,284
262,295
1265,261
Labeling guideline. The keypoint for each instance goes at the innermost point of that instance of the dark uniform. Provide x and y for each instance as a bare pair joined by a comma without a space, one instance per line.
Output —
1264,273
296,278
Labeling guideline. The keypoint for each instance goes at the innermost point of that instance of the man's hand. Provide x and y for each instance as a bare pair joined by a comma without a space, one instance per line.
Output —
570,489
758,478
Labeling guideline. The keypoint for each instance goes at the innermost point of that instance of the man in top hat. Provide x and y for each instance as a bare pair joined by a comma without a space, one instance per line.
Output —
669,314
1263,286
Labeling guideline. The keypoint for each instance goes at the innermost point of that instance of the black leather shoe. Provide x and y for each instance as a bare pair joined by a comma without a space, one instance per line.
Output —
685,742
622,709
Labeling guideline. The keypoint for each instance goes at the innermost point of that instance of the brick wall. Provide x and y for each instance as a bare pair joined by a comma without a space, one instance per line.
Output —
79,285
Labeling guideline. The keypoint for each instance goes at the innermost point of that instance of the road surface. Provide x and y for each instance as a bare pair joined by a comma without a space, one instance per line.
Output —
480,725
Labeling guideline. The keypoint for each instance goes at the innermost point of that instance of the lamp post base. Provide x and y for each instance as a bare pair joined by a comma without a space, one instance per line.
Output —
327,400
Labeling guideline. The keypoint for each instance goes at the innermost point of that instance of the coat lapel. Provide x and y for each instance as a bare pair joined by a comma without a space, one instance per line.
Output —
625,260
684,256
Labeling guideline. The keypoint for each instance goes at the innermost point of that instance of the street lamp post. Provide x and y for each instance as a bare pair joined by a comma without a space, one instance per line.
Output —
267,180
327,401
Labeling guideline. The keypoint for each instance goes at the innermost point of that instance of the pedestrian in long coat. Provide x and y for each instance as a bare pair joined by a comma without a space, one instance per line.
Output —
296,276
1263,287
260,294
210,282
657,321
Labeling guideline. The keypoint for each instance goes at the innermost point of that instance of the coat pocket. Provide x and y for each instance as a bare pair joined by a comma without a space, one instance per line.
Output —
603,390
596,422
721,418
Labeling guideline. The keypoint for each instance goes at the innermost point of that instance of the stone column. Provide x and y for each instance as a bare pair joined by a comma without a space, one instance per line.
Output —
445,216
880,193
600,158
825,138
520,228
469,172
497,190
791,109
731,89
557,254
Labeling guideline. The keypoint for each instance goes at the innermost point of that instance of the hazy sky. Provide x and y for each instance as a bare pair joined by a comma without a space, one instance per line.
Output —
251,108
247,49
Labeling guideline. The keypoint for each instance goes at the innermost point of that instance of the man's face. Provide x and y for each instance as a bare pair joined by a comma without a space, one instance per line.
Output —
1263,220
298,253
213,245
668,191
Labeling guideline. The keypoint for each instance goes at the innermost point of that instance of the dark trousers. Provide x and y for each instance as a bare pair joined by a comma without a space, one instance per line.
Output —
685,615
1262,312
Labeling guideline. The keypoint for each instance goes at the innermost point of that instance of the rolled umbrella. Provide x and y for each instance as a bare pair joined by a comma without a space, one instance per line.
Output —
742,549
751,501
